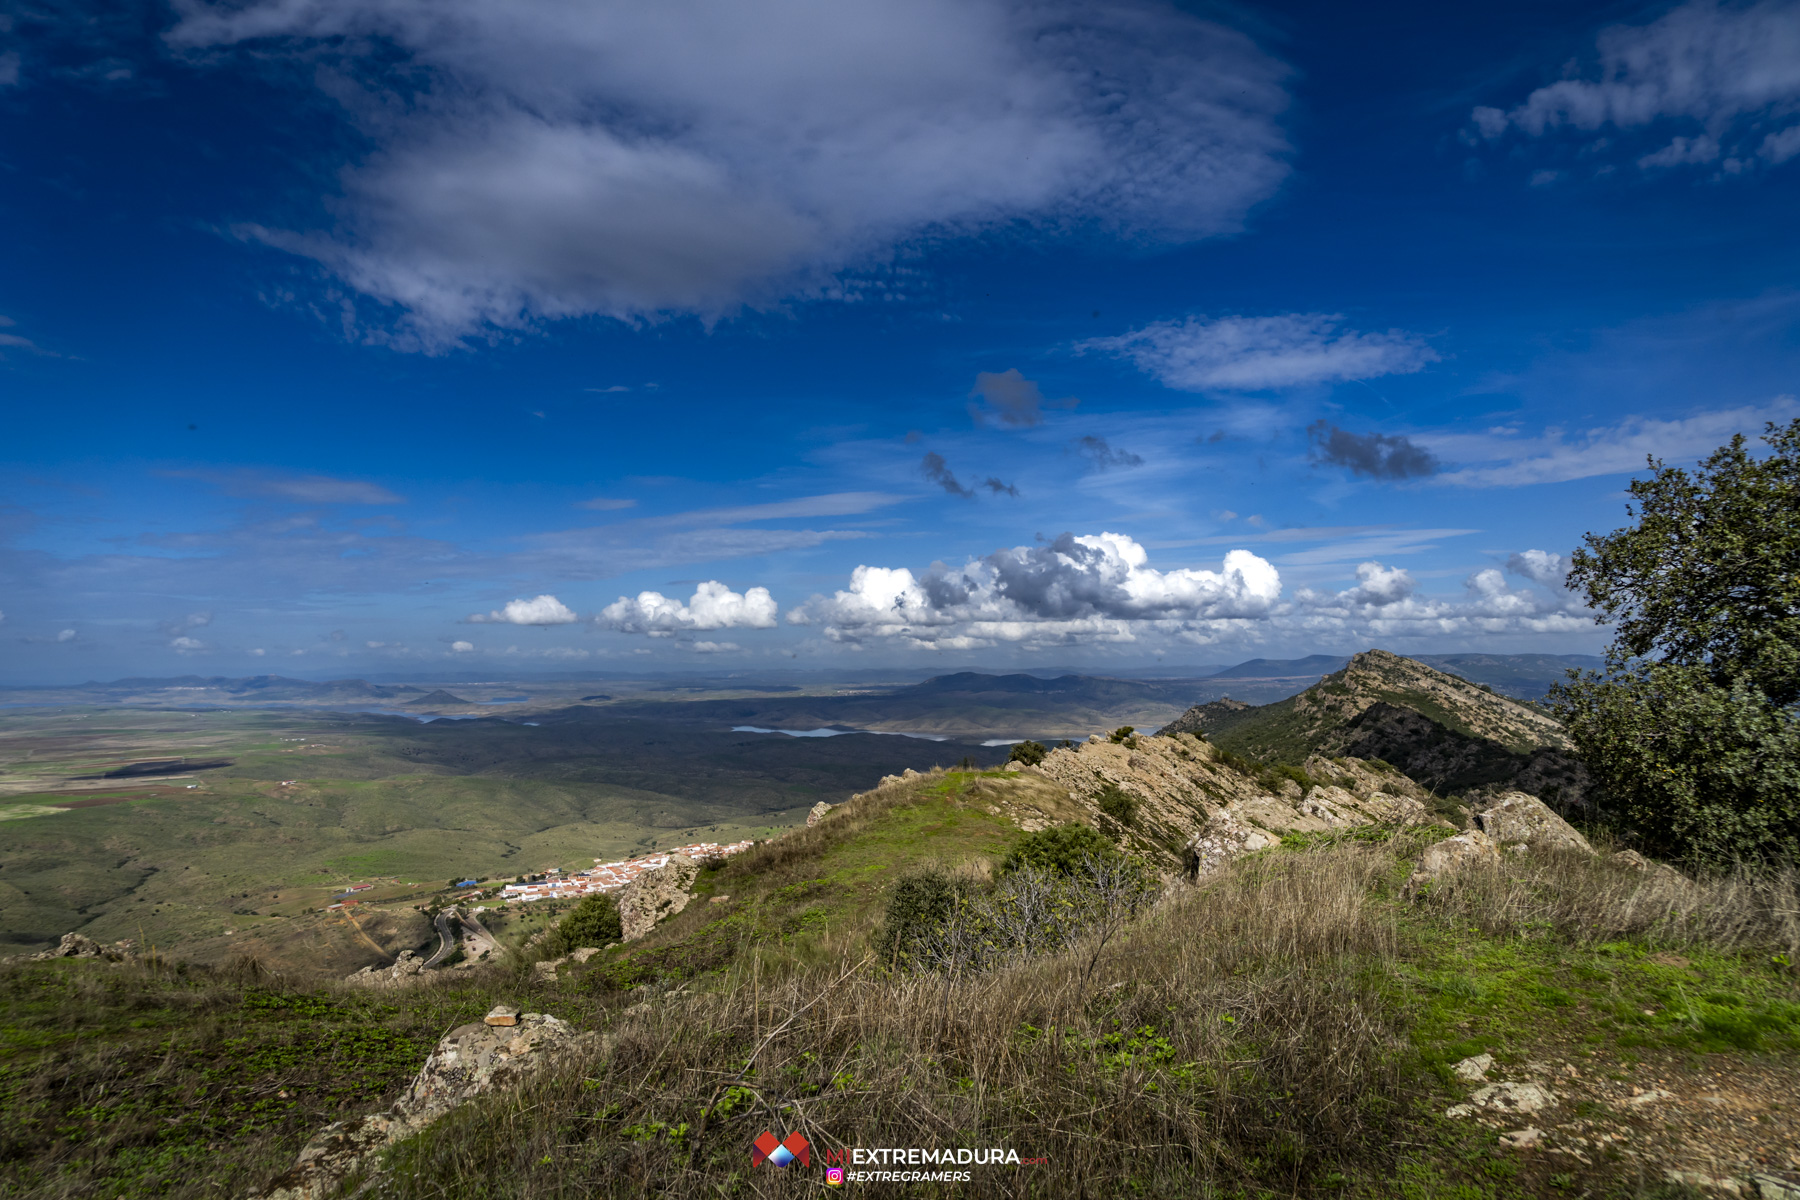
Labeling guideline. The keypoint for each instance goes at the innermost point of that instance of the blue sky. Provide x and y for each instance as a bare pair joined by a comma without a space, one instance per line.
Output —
357,336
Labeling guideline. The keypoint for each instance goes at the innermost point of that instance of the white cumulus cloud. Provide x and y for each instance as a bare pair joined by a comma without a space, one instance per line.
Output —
543,610
1540,566
187,645
713,606
1385,603
462,647
539,159
1258,353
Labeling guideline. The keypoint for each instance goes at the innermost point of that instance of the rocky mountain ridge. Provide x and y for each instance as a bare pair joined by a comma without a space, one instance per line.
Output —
1443,732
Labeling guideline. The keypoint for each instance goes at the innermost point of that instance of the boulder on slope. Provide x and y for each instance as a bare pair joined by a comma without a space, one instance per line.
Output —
1514,819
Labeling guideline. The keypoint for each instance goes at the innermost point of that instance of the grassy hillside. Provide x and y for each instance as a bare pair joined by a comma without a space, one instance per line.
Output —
1284,1030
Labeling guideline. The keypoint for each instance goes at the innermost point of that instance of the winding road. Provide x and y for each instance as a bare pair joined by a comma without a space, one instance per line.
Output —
446,937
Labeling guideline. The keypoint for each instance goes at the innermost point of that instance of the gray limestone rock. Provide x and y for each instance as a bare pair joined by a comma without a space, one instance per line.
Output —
1475,1069
1505,1098
1514,818
818,813
1225,836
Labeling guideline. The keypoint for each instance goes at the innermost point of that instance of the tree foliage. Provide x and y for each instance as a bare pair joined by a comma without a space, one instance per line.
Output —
1693,731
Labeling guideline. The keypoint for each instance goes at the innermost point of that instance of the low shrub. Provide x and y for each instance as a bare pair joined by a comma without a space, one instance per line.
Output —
1029,753
592,922
1061,849
1118,804
919,906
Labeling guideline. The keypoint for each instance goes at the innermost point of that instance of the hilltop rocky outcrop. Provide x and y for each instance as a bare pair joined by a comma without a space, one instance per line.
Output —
405,968
1203,718
1443,732
1190,809
76,945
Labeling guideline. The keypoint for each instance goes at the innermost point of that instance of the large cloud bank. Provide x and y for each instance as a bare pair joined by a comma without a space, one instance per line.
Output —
536,158
713,606
1102,588
1096,588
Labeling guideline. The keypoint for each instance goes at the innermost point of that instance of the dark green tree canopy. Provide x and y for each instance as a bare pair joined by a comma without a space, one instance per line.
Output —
1709,577
1693,733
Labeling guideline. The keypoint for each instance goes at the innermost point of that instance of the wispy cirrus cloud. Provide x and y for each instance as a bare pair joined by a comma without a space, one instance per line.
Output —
1253,354
301,489
1557,455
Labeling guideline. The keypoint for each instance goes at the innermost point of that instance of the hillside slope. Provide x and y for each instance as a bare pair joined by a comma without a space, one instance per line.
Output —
1442,731
819,891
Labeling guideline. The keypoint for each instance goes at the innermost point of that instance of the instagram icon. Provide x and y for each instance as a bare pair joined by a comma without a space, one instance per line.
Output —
834,1177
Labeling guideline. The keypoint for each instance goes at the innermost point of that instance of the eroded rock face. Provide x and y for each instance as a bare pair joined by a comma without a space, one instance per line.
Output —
1185,795
818,812
656,894
403,969
1514,818
471,1060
